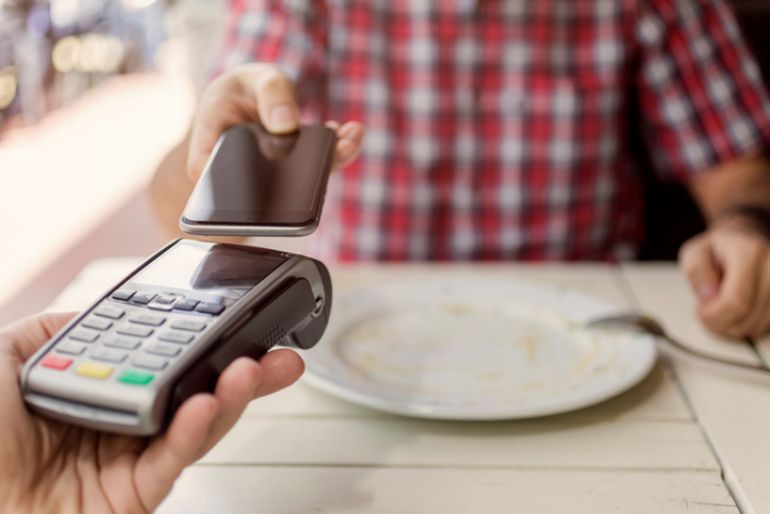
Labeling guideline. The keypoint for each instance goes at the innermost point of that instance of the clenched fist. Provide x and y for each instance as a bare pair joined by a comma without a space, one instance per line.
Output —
728,267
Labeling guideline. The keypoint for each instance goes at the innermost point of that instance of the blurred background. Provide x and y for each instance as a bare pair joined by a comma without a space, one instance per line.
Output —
93,93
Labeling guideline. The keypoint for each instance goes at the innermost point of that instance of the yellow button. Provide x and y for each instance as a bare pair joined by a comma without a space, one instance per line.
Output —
94,370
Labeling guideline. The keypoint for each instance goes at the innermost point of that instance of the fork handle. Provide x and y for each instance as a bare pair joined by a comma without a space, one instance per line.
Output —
716,360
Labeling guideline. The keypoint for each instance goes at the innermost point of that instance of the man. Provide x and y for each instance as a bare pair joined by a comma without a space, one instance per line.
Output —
52,467
501,129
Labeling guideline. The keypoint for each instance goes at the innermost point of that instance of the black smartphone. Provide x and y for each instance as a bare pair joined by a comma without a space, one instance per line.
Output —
261,184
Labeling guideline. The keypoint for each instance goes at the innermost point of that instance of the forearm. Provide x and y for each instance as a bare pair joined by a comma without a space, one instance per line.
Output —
169,190
54,492
723,191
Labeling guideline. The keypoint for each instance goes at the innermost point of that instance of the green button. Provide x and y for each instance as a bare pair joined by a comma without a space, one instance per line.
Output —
135,377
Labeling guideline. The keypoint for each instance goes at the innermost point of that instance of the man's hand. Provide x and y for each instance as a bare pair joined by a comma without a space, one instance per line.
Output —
256,92
49,466
728,267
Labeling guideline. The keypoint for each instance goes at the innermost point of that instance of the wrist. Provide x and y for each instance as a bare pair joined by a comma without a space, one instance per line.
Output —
14,504
746,217
44,498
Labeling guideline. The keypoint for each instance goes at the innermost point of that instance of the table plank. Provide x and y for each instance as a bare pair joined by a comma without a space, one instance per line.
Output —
763,348
731,407
557,443
295,490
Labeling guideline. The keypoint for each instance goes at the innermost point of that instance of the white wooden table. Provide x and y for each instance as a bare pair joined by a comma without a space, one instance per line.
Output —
690,438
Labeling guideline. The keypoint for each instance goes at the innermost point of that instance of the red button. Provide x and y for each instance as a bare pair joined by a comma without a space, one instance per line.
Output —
56,362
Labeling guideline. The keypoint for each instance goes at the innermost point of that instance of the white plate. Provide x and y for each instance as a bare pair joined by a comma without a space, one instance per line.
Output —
474,349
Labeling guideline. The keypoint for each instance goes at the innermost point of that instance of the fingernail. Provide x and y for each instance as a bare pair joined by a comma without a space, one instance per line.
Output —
706,292
282,117
347,131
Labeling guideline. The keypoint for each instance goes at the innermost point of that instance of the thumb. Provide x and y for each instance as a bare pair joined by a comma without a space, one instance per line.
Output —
29,334
701,267
245,94
276,101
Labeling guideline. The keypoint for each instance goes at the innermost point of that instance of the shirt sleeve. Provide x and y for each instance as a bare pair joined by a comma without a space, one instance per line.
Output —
701,96
289,33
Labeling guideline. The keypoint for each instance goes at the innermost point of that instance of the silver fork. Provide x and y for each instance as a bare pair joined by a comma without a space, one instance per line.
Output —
649,325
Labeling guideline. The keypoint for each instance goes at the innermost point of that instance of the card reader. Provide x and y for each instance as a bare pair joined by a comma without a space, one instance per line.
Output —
167,330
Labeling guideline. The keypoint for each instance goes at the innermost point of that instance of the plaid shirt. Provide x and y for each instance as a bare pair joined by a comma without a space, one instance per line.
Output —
500,129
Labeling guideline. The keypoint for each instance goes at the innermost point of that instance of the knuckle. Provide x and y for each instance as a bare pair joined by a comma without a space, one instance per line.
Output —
689,250
222,84
761,330
214,97
750,245
711,323
272,80
693,267
719,327
758,248
738,304
689,266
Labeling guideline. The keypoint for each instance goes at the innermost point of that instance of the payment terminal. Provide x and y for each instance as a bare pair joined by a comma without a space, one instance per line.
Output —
167,330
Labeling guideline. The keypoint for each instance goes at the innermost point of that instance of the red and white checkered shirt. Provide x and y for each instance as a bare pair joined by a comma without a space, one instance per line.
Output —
500,129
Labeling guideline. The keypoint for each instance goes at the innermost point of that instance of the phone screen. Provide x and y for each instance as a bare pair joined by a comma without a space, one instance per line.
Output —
257,178
222,269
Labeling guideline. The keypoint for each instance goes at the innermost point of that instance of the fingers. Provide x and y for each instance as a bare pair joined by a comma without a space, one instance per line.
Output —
701,268
222,105
737,308
245,380
350,136
275,98
280,369
204,419
758,322
165,458
248,93
256,92
236,387
27,335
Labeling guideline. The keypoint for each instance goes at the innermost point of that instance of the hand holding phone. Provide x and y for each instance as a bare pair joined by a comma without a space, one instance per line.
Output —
257,183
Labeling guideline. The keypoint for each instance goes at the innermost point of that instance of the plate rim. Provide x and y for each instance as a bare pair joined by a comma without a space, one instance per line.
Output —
649,357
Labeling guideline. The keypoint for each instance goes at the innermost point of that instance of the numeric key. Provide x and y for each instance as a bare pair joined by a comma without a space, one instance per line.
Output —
123,343
81,334
192,325
210,308
96,323
108,311
142,298
147,319
166,350
70,347
107,355
149,362
176,337
135,330
123,294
